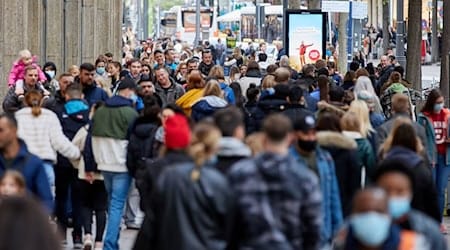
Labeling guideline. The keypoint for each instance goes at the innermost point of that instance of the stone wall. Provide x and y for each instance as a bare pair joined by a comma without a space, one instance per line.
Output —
65,32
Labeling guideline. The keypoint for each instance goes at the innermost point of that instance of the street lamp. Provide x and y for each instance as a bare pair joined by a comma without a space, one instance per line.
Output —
400,41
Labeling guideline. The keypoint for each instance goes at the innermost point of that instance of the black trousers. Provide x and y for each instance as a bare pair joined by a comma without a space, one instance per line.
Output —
94,198
65,187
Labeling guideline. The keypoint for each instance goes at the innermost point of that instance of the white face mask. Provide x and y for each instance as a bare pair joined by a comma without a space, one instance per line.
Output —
51,73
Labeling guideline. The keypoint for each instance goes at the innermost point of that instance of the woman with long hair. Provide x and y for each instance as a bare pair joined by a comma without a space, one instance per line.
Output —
394,83
211,101
434,118
195,86
404,145
361,110
42,132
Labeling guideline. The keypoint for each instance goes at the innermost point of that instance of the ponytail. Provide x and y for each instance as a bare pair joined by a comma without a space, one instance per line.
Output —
33,99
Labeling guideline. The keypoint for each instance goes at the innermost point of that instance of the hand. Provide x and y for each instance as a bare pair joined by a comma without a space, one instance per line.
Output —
90,177
19,91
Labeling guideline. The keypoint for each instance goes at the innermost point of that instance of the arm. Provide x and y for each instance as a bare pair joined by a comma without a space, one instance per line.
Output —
13,75
41,186
41,75
59,141
11,103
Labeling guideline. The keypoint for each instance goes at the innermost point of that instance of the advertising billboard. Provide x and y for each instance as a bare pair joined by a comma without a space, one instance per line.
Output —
305,36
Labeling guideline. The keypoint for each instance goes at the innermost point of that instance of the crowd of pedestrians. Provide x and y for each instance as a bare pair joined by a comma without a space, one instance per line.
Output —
196,152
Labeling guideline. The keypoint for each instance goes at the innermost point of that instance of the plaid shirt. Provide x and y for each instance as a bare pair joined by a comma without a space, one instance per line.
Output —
278,204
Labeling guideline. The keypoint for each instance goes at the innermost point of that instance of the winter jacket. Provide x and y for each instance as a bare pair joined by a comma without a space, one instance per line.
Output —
94,94
18,72
83,140
189,99
171,94
110,133
420,223
206,107
231,150
348,170
331,203
74,116
205,68
424,193
193,211
44,135
294,111
397,239
32,169
384,75
272,104
142,144
228,93
253,117
11,102
366,155
278,204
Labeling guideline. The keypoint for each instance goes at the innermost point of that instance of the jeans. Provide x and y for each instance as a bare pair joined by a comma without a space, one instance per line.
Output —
440,176
117,186
133,214
49,171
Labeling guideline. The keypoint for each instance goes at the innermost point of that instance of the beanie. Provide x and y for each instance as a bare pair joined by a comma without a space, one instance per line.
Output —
177,132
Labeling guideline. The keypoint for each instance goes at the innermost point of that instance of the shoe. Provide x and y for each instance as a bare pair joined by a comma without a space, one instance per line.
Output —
133,226
87,244
77,243
443,229
98,246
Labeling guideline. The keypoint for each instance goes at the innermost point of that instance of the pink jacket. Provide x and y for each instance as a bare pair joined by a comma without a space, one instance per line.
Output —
18,72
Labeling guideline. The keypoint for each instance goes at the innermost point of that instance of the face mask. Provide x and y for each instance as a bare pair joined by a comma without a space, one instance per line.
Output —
100,70
51,73
307,146
399,206
371,229
134,98
438,107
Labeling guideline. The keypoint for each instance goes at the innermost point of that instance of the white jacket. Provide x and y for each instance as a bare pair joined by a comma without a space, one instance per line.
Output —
44,135
80,140
110,154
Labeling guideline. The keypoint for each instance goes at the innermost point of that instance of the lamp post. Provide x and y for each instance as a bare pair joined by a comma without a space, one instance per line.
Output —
400,41
197,23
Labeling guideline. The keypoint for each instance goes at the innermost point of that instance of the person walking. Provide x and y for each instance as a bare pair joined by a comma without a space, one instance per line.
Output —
109,145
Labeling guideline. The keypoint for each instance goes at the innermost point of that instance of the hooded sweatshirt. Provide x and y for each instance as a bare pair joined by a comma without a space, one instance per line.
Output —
231,150
109,133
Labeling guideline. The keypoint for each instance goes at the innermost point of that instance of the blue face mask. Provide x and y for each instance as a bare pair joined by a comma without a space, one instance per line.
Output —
134,98
371,229
100,70
438,107
399,206
50,73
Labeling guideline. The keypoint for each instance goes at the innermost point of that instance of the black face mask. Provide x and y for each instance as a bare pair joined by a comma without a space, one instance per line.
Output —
307,146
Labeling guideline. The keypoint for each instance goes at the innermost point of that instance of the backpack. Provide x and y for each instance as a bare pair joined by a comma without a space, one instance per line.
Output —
141,151
386,101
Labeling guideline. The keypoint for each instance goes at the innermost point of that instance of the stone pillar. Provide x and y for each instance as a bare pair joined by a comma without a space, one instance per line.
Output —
65,32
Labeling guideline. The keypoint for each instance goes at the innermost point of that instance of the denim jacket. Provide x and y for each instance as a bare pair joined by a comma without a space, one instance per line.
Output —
425,122
331,204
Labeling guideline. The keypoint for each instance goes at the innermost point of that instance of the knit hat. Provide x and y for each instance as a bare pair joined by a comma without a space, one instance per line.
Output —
177,134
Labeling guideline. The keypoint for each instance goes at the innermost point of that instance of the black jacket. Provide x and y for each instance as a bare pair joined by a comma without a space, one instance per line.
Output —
344,152
189,213
294,111
425,194
253,117
142,145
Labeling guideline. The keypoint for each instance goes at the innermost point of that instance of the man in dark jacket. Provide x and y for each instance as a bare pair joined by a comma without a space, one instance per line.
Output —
14,155
73,116
92,93
207,63
230,121
166,88
278,201
57,105
386,71
296,106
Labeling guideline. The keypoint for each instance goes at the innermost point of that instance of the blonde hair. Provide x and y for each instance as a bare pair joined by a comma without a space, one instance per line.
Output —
213,88
18,178
217,72
387,144
72,69
204,143
255,142
361,111
350,122
25,54
268,82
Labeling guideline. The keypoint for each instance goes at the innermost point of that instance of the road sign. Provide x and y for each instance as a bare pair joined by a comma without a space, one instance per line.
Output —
335,6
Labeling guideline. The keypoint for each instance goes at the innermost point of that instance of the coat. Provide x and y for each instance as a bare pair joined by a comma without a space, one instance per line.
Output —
174,92
425,198
18,72
189,99
231,150
206,107
348,170
366,155
331,202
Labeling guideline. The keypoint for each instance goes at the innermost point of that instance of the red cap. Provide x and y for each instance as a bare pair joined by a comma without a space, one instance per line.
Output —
177,133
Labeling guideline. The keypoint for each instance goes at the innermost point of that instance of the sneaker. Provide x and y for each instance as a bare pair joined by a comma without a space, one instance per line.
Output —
443,229
133,226
77,244
87,244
